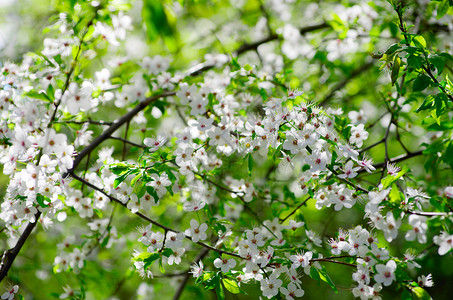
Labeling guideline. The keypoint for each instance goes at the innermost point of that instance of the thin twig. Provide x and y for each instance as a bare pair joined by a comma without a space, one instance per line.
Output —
127,142
187,275
294,211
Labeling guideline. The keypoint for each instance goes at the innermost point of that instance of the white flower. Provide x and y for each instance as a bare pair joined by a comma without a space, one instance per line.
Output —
357,117
317,161
392,169
293,225
292,291
78,99
348,151
367,164
197,269
155,65
349,171
197,231
155,143
292,94
174,240
77,259
203,124
187,93
344,198
224,264
362,275
159,183
362,291
145,234
425,281
444,241
358,135
418,230
391,227
156,241
270,286
386,273
301,259
9,295
449,192
106,32
133,205
175,258
121,23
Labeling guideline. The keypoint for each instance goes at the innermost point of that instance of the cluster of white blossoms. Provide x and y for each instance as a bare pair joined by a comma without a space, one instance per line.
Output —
205,163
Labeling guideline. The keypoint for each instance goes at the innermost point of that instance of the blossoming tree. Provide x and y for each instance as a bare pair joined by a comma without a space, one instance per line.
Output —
231,150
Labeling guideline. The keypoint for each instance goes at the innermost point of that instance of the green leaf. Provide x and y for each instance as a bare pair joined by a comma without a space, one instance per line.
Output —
40,96
420,293
387,181
220,292
394,195
142,256
395,69
414,62
40,199
161,267
419,41
167,252
427,103
156,20
288,194
435,202
406,295
442,9
153,193
50,92
250,163
148,261
390,50
120,179
135,179
231,286
448,155
421,83
439,101
315,274
119,168
438,61
325,277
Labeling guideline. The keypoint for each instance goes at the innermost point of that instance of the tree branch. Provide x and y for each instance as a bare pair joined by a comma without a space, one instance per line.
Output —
144,217
117,124
10,255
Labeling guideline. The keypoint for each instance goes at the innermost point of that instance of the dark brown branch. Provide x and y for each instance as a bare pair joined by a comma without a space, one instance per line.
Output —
333,261
123,153
397,159
372,145
10,255
87,121
117,124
